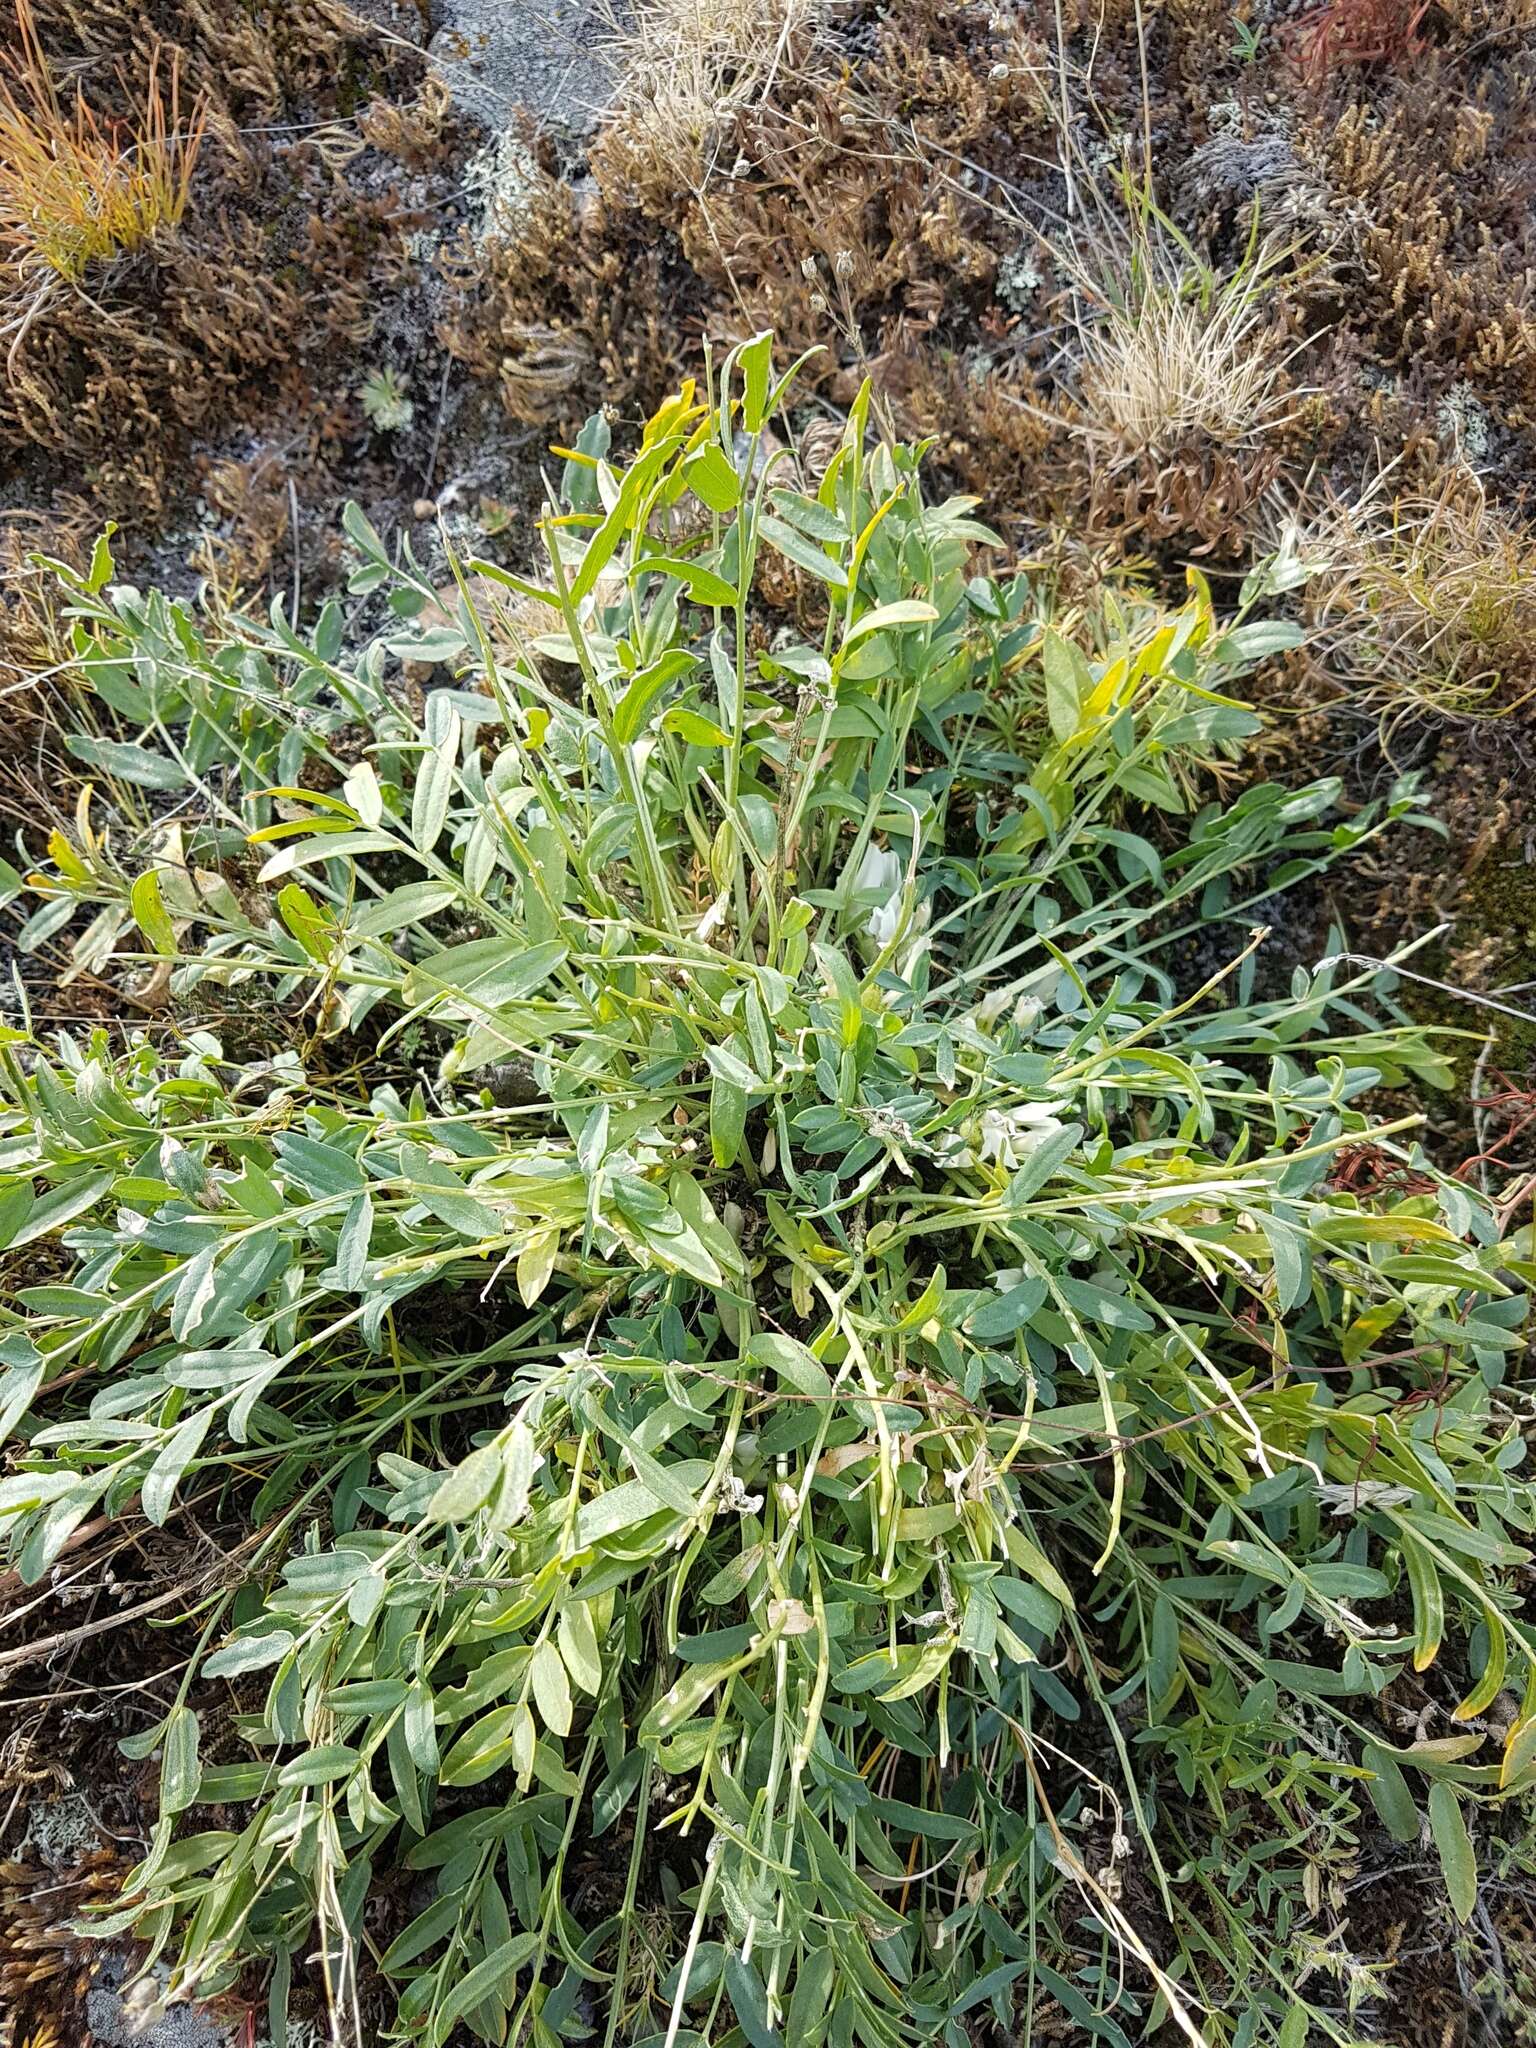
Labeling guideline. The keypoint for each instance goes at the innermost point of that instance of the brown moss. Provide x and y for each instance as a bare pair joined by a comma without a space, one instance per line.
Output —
1432,183
277,261
571,309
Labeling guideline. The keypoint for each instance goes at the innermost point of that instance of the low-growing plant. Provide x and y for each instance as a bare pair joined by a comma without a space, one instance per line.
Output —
385,398
684,68
787,1310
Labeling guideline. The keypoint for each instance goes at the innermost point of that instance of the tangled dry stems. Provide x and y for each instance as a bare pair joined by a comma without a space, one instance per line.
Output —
1169,349
1428,602
686,68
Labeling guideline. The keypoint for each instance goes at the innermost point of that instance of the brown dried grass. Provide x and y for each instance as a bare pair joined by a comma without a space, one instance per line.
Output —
1428,601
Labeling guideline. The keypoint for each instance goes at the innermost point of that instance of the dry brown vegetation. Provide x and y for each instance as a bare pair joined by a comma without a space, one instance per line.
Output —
1427,604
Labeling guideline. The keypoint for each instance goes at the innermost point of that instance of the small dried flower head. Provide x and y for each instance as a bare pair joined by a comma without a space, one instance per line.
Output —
808,269
842,263
735,1499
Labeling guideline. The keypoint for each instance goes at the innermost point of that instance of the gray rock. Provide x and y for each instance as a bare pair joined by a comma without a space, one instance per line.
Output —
126,2013
544,56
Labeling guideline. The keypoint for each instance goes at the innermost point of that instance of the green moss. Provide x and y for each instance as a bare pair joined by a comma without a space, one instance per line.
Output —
1497,904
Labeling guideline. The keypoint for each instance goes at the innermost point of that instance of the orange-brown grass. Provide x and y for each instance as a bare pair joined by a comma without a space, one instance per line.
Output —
74,188
1343,32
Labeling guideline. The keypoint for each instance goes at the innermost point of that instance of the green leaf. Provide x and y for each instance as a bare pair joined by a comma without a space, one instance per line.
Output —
321,1766
165,1474
750,2000
1068,684
318,1168
484,974
310,924
352,1244
1389,1794
621,1507
424,1932
61,1205
703,585
551,1689
712,479
805,554
484,1747
577,1637
466,1489
1295,2027
1262,637
755,360
1042,1162
632,712
693,727
727,1120
150,914
249,1653
1448,1826
127,763
18,1384
435,773
400,907
799,1367
1102,1305
439,1189
180,1769
908,611
493,1977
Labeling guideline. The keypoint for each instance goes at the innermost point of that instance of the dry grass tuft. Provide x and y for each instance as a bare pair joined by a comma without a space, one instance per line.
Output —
687,68
1428,603
73,188
1170,350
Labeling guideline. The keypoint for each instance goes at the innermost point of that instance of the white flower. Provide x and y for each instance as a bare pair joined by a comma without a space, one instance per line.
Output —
880,874
1010,1135
990,1008
713,918
735,1499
